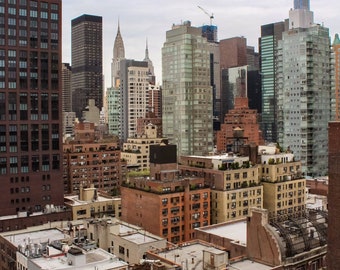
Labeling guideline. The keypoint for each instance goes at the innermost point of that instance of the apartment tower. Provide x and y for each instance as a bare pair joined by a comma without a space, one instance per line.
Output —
304,90
87,62
187,92
30,107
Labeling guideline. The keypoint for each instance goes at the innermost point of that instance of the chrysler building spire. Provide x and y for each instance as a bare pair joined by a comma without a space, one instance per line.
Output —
118,54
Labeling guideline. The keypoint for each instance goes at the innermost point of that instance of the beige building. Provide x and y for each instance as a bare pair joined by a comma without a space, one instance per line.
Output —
136,150
235,184
128,242
91,113
284,187
91,204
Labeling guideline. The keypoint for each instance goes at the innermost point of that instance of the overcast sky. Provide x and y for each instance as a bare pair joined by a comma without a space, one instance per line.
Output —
150,19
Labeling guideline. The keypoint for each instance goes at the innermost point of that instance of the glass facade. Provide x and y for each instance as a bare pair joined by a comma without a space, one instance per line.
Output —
304,97
187,94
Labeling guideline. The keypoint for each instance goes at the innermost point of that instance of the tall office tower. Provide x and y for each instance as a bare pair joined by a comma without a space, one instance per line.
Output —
187,93
30,107
87,62
210,33
133,95
233,53
66,73
113,95
336,52
270,35
215,82
333,241
304,91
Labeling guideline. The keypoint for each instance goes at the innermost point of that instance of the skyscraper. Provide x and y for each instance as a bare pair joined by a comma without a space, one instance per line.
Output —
30,107
113,96
118,55
87,62
304,91
187,93
66,87
270,35
134,82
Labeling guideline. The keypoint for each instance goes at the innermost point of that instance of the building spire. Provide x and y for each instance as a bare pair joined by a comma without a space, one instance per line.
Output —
118,48
146,51
336,40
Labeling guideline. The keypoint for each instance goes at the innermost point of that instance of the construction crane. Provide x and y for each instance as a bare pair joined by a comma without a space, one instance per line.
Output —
211,16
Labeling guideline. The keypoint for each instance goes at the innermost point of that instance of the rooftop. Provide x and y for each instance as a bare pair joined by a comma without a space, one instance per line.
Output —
75,201
139,238
236,231
34,237
248,265
189,253
95,259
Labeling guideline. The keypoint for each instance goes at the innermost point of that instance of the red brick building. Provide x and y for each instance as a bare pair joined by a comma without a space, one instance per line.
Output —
333,255
166,204
170,208
96,163
240,120
233,52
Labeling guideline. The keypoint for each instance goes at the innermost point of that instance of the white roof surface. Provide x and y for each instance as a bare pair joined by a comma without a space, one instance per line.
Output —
188,254
236,231
35,237
139,238
248,265
95,259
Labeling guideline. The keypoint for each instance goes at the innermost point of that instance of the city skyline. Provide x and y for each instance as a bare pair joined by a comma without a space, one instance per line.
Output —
150,21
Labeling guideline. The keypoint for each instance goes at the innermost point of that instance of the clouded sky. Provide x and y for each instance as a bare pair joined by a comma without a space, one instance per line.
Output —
150,19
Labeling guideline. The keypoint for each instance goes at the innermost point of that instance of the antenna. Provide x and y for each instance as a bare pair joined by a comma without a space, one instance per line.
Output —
211,16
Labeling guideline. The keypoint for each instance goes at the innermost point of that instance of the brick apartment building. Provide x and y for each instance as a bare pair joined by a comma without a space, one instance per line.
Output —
167,204
96,163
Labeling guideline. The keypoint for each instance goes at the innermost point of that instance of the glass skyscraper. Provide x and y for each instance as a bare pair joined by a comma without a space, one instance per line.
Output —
270,35
187,92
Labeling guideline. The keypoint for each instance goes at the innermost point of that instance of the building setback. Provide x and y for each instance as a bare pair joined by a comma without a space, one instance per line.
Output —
87,62
30,107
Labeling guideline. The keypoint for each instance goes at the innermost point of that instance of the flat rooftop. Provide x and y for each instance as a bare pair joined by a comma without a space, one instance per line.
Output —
95,259
34,237
188,253
248,265
74,200
139,238
236,231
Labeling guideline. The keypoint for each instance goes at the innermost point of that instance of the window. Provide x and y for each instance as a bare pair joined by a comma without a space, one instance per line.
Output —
121,250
